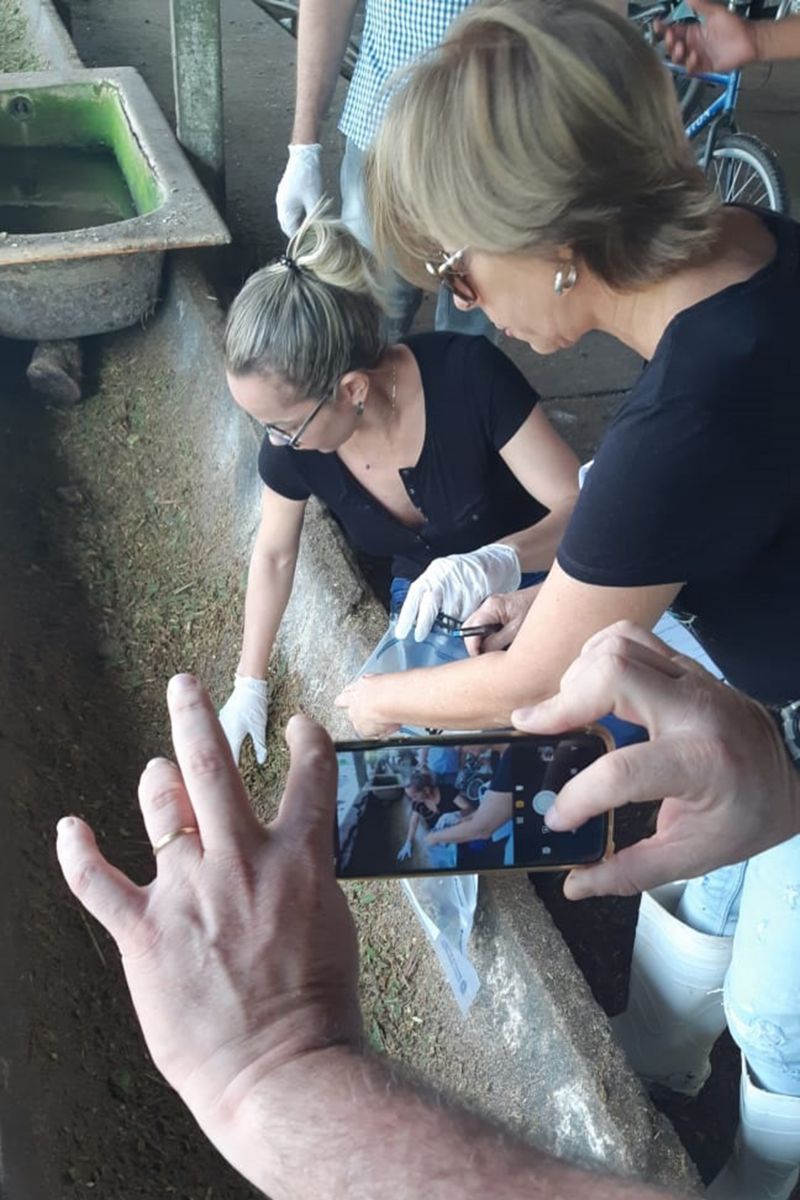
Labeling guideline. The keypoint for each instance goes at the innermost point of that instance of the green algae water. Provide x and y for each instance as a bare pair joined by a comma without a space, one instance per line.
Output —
53,189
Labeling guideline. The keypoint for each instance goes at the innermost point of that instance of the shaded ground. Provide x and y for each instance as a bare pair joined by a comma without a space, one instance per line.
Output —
145,581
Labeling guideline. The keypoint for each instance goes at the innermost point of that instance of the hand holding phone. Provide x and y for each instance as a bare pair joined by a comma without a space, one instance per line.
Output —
462,803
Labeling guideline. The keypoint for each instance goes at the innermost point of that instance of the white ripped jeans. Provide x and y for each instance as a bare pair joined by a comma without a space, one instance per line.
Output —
758,902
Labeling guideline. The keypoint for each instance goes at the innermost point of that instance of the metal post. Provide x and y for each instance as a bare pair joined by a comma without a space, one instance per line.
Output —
197,76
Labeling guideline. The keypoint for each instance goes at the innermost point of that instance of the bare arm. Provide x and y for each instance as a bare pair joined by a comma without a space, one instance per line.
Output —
270,578
494,811
777,39
547,469
725,41
323,28
338,1123
480,693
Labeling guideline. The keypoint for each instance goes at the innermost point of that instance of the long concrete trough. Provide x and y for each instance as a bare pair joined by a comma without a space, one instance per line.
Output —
534,1050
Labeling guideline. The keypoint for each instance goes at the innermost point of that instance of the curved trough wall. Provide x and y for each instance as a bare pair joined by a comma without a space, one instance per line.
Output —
535,1049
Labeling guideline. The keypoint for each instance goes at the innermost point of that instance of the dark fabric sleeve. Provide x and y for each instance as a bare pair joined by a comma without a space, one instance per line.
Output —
502,780
502,396
679,490
278,470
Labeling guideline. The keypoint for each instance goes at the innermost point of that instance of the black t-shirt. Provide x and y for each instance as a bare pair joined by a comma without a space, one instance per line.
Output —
475,401
698,477
447,804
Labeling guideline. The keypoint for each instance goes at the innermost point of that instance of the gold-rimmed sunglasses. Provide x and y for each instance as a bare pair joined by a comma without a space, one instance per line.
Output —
292,440
449,269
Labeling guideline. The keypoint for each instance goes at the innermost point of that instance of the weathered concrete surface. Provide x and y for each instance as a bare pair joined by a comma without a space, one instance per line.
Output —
197,75
94,280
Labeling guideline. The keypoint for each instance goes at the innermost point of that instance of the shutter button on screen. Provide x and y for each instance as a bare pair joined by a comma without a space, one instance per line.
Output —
542,801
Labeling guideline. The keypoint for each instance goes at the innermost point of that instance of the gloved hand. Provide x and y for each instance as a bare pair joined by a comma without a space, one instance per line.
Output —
300,187
245,712
405,852
456,585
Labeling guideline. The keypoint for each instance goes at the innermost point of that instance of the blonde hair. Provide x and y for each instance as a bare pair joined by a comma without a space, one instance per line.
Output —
313,315
537,125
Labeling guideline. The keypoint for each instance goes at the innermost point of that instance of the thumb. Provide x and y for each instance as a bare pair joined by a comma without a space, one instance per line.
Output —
260,748
555,714
426,614
308,803
408,613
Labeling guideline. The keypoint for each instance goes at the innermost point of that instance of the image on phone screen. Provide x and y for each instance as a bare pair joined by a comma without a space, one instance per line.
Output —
458,803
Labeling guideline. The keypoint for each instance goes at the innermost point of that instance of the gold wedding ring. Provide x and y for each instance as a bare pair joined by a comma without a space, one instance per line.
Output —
171,837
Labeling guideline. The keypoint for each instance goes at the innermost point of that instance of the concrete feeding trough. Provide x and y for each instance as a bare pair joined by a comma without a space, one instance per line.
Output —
94,188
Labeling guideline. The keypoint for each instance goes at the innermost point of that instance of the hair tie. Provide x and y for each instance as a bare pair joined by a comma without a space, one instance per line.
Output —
287,261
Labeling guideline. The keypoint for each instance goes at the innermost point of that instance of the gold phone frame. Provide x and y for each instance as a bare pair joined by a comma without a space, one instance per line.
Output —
464,739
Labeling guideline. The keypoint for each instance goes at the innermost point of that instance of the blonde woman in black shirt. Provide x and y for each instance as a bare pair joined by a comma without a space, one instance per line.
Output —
431,451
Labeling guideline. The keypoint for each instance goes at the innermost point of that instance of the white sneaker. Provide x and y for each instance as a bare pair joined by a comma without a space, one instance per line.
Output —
674,1014
765,1164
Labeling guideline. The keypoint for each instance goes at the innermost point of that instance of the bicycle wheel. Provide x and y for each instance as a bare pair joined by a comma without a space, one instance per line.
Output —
744,170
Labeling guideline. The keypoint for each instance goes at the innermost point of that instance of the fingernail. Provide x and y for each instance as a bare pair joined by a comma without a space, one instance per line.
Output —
65,823
155,762
524,714
182,683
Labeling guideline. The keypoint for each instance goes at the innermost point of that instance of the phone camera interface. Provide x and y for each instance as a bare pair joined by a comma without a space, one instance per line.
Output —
413,809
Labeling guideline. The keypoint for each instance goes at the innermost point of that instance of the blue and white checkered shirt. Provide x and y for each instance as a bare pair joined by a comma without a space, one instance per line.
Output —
395,32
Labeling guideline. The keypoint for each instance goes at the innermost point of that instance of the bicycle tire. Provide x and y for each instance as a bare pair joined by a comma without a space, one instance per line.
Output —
745,170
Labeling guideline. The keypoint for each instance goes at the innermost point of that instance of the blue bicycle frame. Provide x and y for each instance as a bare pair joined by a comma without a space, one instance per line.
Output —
718,112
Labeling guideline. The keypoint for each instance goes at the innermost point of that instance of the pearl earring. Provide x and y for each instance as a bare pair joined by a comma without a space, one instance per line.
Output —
565,278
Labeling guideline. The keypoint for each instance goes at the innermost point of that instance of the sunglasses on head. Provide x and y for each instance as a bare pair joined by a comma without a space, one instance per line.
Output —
450,271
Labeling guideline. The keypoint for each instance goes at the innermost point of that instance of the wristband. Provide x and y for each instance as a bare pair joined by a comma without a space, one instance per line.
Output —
788,721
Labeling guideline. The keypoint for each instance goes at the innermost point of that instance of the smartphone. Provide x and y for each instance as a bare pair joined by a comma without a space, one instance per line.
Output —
455,803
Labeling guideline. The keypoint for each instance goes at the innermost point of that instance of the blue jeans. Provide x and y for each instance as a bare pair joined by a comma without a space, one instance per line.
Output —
404,298
758,902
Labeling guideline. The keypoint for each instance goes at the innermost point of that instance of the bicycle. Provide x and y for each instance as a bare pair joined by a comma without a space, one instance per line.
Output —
740,166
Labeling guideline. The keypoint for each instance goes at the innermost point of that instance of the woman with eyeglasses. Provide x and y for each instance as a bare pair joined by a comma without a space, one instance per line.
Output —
430,451
536,160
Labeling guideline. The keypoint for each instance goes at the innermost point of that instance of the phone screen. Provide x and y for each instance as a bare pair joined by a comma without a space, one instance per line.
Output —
473,802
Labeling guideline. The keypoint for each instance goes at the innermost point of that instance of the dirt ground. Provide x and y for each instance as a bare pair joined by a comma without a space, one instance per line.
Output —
108,584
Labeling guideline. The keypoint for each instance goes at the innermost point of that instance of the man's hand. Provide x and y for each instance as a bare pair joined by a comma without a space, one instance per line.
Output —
716,757
508,610
241,954
723,42
300,187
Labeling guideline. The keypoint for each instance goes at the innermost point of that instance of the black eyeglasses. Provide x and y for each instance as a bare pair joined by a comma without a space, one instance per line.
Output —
292,440
449,270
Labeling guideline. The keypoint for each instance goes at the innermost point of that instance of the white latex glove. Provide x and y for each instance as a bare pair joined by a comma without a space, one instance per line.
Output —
404,852
245,712
300,187
456,585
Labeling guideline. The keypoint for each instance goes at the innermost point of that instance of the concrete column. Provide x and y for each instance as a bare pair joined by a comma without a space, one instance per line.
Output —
197,75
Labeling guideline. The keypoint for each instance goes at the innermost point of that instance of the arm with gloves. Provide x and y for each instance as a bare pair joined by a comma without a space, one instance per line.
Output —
407,848
323,29
457,584
269,586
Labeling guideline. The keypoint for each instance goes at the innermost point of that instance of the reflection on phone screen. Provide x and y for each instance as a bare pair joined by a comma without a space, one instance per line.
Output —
476,805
